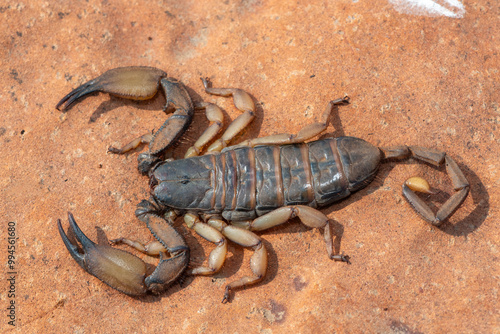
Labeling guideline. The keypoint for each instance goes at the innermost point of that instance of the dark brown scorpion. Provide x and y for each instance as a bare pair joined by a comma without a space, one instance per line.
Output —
236,190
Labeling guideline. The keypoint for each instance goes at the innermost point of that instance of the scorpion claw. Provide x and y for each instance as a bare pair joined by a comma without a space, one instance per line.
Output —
135,82
73,249
123,271
119,269
85,89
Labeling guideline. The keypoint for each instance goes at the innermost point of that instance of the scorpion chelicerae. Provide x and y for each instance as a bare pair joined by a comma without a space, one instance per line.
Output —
231,192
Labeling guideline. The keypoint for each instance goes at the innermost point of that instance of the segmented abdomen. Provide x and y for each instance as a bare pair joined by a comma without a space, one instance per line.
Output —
246,182
254,181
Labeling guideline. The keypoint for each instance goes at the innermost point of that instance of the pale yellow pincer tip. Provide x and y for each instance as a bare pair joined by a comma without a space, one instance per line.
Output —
419,184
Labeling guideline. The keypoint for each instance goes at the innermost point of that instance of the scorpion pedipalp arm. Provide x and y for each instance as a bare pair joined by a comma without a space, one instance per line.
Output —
169,269
171,130
142,83
178,99
436,158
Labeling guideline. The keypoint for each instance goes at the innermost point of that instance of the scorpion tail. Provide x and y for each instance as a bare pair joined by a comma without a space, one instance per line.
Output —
417,184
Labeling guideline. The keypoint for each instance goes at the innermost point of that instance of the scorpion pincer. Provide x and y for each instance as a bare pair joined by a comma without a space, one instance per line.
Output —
232,192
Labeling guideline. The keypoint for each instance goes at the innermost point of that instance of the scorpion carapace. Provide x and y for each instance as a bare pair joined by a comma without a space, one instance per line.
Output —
234,191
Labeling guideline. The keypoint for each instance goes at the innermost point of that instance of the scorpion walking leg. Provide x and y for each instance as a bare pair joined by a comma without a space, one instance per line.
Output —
144,139
436,158
218,255
307,132
243,102
308,216
215,116
245,238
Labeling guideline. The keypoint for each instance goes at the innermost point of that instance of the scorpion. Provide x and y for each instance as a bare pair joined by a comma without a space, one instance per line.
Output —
231,192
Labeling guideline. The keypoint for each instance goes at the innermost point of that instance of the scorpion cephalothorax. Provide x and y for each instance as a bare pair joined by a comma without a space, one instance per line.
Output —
234,191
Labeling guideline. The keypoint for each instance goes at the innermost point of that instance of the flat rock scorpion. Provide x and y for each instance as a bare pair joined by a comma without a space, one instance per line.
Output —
232,192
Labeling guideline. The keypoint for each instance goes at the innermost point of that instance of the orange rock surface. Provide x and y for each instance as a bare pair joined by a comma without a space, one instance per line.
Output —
412,79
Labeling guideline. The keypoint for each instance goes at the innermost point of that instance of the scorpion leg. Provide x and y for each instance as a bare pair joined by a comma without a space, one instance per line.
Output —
243,102
215,117
308,216
126,272
218,255
436,158
144,139
307,132
215,230
258,261
153,248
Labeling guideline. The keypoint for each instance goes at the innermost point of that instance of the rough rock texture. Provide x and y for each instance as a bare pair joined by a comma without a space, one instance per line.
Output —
412,79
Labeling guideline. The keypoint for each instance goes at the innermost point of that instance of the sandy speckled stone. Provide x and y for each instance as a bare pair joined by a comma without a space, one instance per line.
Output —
412,79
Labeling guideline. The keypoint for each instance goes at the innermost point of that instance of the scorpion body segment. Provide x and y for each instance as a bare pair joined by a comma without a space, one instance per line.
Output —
234,191
248,182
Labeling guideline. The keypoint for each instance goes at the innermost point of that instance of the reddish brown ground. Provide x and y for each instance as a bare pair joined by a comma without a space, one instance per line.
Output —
412,80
